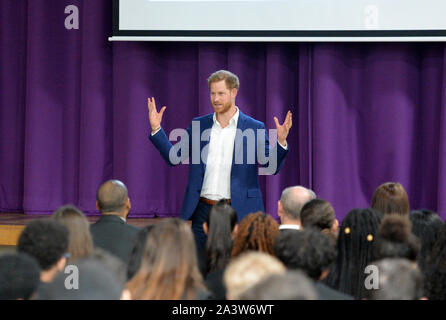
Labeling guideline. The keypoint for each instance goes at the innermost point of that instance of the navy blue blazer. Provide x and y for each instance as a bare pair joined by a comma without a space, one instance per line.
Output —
246,196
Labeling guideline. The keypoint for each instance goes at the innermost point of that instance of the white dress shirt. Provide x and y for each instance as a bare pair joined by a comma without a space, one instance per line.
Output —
217,177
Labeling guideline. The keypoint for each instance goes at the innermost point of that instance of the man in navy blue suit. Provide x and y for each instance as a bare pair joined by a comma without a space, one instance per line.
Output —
224,150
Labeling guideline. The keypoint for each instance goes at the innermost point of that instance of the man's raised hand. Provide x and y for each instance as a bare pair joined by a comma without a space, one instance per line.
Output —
284,129
155,117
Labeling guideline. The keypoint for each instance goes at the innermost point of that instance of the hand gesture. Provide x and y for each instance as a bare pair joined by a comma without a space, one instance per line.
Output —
284,129
155,117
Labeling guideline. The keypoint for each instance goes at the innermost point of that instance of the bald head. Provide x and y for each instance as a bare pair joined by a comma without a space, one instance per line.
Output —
293,199
112,196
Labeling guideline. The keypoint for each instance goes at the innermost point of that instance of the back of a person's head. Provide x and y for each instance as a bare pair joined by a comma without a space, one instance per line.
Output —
137,252
85,280
390,197
81,243
110,262
46,240
318,214
293,285
294,198
169,268
19,276
397,279
309,250
112,196
247,270
395,239
426,225
355,242
257,232
221,222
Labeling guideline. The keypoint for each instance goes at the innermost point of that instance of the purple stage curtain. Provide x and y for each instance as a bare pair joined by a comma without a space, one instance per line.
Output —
73,112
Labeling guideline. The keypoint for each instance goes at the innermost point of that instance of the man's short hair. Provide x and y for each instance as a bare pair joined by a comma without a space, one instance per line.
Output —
398,279
94,283
19,276
293,285
317,213
111,196
46,240
308,250
248,269
231,80
294,198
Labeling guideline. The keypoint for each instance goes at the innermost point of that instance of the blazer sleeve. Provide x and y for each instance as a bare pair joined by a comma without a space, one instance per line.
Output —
275,155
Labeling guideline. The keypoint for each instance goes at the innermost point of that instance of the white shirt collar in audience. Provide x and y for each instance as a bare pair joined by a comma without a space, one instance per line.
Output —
289,226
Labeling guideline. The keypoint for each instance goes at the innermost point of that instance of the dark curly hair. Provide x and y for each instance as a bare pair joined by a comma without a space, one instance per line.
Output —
46,240
257,232
309,250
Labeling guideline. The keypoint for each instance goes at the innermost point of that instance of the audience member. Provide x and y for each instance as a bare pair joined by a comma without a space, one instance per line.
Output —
395,239
115,265
137,252
293,285
312,252
290,205
47,241
390,197
220,227
398,279
93,282
19,276
81,243
257,232
319,214
247,270
111,232
426,225
354,251
435,272
169,267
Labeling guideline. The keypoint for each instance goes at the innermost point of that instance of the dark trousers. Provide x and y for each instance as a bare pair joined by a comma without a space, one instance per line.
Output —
198,217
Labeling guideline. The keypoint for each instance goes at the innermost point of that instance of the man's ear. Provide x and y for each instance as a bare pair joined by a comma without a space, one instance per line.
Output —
279,208
234,92
205,228
235,231
127,202
97,206
60,265
335,225
324,274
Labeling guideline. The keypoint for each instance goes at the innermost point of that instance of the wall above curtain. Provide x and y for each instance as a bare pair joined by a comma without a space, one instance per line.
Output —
73,112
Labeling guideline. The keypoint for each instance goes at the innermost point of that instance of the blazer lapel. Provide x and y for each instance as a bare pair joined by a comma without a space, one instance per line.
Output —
206,124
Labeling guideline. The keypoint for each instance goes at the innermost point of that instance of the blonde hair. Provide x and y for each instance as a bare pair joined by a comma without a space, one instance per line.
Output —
249,269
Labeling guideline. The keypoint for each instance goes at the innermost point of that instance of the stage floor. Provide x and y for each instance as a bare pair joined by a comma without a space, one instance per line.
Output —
12,224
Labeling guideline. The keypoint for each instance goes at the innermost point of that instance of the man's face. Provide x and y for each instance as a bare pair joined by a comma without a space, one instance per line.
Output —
222,99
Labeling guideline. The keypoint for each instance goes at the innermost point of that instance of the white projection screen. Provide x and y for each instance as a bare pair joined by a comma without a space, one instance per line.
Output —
279,20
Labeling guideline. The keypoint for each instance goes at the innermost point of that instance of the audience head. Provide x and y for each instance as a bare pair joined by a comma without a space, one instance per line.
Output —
319,214
395,239
398,279
354,247
390,197
137,252
435,270
309,250
220,226
257,232
112,263
90,281
112,198
81,243
169,267
291,203
426,225
47,241
19,276
247,270
293,285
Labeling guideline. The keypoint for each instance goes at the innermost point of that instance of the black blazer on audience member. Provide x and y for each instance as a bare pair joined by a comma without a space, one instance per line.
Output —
111,233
